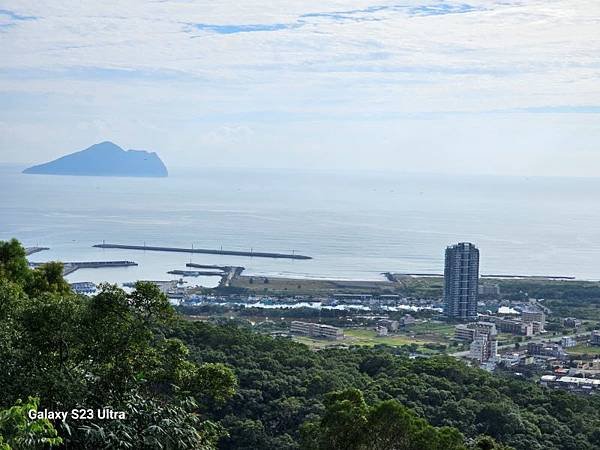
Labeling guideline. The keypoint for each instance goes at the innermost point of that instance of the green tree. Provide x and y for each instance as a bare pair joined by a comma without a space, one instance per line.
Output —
348,423
18,431
13,262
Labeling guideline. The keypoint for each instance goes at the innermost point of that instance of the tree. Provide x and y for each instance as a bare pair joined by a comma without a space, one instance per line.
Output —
109,350
47,278
18,431
348,423
13,261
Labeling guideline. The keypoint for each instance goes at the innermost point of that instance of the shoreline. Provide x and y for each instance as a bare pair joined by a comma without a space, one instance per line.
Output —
326,276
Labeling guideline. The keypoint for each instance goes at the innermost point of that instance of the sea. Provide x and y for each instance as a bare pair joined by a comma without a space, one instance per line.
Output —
355,225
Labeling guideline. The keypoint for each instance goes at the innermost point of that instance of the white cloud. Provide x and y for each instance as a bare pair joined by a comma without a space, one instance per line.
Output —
144,69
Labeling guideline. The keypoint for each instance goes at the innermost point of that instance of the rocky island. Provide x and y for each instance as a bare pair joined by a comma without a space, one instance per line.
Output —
104,159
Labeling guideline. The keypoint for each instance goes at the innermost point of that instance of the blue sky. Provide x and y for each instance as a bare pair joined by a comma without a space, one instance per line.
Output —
482,86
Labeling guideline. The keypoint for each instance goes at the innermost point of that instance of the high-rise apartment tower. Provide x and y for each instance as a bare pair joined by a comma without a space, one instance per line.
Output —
461,278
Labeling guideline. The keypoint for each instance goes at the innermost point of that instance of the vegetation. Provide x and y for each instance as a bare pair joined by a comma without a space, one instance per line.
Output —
107,351
185,384
283,384
18,431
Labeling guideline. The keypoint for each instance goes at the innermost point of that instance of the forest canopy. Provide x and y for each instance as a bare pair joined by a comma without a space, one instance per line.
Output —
185,384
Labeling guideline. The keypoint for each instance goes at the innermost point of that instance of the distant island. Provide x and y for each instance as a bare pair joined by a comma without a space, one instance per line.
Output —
104,159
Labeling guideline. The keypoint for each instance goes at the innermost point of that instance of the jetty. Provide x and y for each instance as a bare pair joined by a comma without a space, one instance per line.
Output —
251,253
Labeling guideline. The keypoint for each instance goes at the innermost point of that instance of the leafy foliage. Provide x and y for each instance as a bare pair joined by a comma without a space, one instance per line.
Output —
18,431
200,385
108,350
283,385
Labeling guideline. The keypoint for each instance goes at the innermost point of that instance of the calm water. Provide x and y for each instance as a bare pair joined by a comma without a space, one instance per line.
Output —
353,225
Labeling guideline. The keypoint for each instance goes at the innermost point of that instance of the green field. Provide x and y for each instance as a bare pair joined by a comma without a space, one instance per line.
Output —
361,337
433,331
369,337
583,349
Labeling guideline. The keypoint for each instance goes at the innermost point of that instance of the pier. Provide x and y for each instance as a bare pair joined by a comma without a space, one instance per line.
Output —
205,251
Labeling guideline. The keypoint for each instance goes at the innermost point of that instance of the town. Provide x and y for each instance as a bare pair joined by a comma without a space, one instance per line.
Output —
490,321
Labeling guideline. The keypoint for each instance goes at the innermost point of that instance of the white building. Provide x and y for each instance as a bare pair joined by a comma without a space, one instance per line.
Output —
316,330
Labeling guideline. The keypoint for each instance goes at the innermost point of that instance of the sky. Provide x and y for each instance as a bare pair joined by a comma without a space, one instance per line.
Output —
459,87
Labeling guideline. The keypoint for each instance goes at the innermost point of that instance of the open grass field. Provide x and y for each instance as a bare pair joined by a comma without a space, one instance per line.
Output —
583,349
317,344
292,286
369,337
362,336
432,331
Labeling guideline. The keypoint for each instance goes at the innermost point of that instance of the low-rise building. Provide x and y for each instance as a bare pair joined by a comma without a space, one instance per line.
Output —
568,341
389,325
513,326
547,349
581,385
463,333
595,339
468,332
534,315
382,331
407,320
316,330
489,289
571,322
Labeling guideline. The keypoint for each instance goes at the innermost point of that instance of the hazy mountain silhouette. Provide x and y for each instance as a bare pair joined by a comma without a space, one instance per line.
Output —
104,159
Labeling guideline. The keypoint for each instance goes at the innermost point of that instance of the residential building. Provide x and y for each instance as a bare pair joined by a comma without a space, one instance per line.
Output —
568,341
595,340
316,330
389,325
461,278
464,333
576,384
534,315
484,348
407,320
382,331
571,322
545,349
513,326
492,290
467,333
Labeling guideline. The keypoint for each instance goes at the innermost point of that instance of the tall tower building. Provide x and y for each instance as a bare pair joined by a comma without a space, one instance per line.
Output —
461,278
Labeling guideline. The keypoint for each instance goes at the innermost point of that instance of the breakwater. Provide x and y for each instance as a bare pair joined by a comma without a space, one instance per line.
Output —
251,253
70,267
195,273
32,250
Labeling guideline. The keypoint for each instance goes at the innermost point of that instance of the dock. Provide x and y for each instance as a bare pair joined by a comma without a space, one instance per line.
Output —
227,273
251,253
